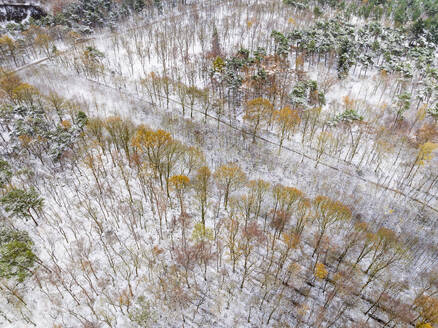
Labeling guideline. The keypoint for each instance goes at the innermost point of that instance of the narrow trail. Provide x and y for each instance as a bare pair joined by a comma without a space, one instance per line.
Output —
342,169
407,194
107,35
242,130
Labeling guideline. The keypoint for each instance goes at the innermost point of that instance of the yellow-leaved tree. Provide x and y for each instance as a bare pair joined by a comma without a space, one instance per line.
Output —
179,183
327,213
8,47
229,177
424,155
153,144
257,191
24,93
320,271
257,112
286,120
427,308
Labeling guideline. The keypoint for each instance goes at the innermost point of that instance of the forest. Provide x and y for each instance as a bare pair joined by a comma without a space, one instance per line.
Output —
218,163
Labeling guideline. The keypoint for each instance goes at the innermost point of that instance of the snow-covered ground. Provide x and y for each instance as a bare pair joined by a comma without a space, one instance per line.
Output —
99,234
